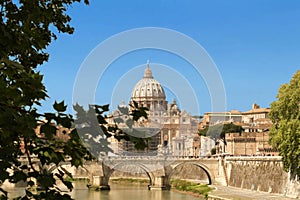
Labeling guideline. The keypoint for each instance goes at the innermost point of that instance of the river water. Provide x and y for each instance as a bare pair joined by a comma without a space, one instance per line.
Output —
117,192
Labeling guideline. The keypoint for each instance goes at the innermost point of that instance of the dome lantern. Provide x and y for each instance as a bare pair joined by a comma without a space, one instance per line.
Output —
148,72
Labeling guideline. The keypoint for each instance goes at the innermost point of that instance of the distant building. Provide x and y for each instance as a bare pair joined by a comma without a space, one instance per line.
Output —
206,145
249,143
250,116
252,141
173,129
213,118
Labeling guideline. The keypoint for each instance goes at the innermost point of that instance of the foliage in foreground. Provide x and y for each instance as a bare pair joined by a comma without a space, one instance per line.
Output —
42,140
24,36
285,131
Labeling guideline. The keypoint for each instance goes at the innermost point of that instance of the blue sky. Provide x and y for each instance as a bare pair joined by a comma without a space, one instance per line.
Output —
255,45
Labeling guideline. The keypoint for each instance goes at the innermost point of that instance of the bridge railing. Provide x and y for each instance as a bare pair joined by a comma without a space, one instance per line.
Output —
121,157
171,157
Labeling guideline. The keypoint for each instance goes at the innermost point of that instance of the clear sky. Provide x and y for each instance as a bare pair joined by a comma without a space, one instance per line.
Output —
255,44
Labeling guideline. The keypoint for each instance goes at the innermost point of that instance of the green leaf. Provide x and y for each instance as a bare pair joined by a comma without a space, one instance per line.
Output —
105,108
76,161
46,180
30,183
49,130
19,176
59,107
101,119
65,122
49,116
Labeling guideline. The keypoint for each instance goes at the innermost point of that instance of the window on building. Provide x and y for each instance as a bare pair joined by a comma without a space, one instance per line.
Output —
165,143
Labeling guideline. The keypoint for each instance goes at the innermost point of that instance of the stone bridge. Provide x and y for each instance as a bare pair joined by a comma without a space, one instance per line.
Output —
260,173
158,169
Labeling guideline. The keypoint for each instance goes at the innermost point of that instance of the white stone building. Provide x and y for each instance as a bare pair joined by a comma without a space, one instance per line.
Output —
172,130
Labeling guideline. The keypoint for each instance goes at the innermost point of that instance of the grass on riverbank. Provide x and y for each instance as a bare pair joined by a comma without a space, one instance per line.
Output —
177,184
130,180
187,186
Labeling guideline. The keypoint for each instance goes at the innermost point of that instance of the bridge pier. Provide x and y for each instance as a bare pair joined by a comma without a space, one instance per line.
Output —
159,183
99,183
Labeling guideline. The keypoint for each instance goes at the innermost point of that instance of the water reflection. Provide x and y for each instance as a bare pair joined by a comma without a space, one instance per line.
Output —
117,192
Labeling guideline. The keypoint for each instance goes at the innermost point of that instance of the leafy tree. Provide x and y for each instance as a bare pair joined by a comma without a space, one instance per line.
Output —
24,36
94,129
285,131
218,132
27,27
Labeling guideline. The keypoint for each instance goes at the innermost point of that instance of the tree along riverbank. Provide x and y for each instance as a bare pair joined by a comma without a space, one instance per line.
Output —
188,187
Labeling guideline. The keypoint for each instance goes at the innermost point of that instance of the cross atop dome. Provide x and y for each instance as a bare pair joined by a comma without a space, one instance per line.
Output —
148,72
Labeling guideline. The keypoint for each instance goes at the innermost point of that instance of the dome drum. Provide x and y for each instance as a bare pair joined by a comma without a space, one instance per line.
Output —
149,93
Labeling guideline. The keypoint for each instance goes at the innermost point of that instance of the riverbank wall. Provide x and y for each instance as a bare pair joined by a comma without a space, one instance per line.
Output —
261,174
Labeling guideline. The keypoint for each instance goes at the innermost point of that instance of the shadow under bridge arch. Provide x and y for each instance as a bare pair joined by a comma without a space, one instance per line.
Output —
200,165
120,167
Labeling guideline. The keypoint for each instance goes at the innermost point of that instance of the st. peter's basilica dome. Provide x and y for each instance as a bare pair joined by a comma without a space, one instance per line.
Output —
148,92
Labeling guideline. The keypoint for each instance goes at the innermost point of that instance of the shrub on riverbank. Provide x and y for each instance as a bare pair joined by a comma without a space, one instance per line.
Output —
187,186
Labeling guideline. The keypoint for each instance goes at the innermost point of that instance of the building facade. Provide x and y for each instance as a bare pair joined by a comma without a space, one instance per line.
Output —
249,143
171,129
213,118
254,138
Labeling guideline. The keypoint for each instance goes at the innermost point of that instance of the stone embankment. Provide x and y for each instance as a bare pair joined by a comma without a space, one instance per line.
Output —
264,174
226,193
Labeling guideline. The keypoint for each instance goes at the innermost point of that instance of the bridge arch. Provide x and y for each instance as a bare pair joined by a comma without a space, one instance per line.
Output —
203,167
54,167
143,167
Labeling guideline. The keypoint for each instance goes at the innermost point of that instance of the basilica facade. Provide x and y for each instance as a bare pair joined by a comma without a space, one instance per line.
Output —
170,129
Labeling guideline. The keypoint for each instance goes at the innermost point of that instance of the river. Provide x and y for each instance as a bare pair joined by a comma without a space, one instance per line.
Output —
117,192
